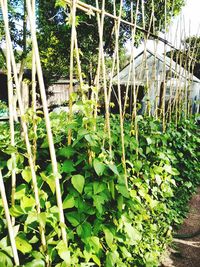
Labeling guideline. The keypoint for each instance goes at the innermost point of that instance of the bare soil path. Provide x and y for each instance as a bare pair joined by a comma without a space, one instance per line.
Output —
187,251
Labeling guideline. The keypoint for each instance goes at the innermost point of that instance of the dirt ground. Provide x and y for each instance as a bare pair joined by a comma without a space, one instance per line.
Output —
186,252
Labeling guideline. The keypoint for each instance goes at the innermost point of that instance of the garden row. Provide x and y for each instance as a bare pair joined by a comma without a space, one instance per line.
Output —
108,222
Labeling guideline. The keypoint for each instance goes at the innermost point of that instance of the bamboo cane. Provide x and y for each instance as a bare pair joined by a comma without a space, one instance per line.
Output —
97,77
132,62
11,122
187,75
133,78
8,219
142,70
113,64
24,126
22,64
154,69
176,96
169,109
48,123
101,55
34,94
181,72
117,28
79,65
96,82
73,30
146,36
165,76
131,75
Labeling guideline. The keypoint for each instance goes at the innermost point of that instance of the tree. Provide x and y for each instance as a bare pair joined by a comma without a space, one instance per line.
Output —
189,57
193,50
54,31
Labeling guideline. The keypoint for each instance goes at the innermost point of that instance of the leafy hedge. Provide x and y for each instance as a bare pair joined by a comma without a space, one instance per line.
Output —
107,223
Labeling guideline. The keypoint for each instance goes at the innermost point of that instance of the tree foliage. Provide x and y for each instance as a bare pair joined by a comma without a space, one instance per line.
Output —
54,30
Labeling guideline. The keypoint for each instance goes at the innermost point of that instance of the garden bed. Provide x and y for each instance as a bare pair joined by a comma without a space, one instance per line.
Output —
113,216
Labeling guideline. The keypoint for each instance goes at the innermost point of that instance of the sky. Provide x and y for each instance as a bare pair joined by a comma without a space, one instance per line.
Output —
187,23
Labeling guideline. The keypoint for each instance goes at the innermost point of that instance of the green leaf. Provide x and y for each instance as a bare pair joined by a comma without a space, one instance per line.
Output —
158,169
123,190
78,182
26,174
10,149
126,253
84,230
35,263
175,171
5,260
63,252
74,218
98,187
96,260
66,152
188,184
99,167
95,243
68,166
16,211
42,219
37,255
11,164
170,170
120,202
50,180
138,165
60,3
108,237
99,201
22,244
149,140
112,188
113,168
133,234
111,259
32,217
27,202
90,139
20,191
34,239
158,179
68,202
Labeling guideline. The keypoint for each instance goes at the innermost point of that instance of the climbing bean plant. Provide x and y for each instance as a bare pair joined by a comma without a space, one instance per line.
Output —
108,222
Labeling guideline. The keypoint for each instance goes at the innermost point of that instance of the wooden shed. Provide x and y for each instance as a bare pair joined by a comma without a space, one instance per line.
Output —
58,92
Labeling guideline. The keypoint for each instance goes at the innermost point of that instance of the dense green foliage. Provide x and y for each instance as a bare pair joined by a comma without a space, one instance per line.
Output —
108,223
